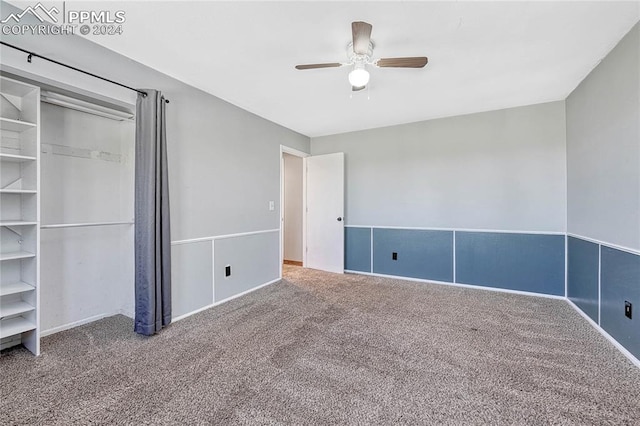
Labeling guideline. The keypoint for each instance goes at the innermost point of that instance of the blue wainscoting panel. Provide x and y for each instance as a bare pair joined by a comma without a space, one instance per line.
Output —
421,254
582,275
620,281
525,262
357,249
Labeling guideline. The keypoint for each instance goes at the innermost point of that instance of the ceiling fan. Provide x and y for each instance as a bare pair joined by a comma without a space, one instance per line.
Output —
360,52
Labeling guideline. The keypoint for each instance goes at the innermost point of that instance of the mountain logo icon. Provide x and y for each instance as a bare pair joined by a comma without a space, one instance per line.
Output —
33,10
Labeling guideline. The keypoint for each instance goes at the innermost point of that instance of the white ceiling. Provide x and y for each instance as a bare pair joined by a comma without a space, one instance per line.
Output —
482,55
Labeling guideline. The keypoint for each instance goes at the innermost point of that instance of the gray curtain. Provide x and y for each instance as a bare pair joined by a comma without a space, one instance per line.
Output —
152,236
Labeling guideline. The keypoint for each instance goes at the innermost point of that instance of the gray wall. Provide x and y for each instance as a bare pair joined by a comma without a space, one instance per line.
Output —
603,149
603,191
502,170
224,162
292,238
253,261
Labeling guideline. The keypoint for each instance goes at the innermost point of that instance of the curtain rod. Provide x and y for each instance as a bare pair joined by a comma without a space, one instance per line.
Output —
32,54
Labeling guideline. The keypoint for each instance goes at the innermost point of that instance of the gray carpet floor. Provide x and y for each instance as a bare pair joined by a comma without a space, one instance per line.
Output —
320,348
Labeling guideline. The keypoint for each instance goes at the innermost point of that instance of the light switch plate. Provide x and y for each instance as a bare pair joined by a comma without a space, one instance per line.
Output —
272,206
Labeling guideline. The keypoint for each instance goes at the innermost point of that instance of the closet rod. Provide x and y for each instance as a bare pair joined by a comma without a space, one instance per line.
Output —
32,54
82,225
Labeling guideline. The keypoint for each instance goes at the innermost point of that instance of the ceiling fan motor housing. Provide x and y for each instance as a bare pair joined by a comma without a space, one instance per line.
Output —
355,58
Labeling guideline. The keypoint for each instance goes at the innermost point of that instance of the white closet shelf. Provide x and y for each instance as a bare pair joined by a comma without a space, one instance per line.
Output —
14,158
15,288
15,326
16,223
18,191
19,195
10,309
16,255
15,125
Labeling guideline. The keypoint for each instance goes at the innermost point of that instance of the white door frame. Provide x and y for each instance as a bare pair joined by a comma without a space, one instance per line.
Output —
285,149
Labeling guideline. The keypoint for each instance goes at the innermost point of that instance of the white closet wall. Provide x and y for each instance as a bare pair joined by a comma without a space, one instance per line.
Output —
87,177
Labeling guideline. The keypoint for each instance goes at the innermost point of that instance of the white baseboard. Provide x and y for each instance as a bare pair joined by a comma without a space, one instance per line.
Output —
78,323
613,341
476,287
188,314
127,314
204,308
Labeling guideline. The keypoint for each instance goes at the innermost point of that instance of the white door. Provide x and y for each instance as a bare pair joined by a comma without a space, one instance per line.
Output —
325,211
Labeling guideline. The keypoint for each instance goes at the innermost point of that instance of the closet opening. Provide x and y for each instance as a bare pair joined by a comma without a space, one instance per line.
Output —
87,211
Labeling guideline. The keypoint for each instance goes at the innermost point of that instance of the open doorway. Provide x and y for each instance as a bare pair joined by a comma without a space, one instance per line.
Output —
292,212
311,222
292,204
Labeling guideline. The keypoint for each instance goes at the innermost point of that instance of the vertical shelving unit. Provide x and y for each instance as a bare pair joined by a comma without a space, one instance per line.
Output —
19,214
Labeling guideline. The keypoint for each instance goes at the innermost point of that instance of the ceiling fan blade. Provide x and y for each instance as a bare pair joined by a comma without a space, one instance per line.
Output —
361,32
314,66
357,88
414,62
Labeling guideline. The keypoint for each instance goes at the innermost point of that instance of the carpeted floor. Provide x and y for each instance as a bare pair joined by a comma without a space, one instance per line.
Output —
320,348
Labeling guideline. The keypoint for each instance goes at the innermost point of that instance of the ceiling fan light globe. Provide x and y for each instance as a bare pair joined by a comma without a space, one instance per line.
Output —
359,77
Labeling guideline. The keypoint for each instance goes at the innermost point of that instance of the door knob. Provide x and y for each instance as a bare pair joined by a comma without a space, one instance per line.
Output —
339,219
